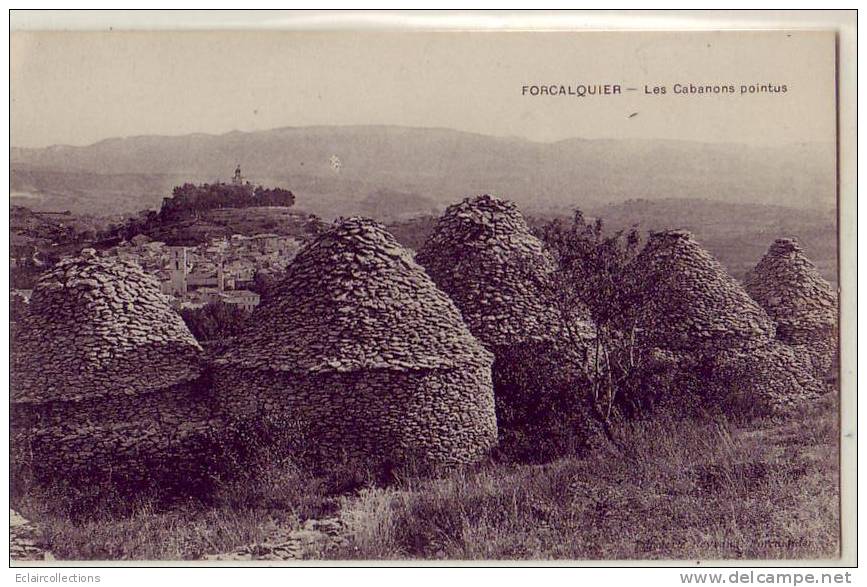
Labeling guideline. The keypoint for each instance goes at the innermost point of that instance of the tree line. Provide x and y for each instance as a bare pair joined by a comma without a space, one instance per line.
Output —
188,200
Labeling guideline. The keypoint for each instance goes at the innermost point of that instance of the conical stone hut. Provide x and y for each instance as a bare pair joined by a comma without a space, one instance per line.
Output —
482,254
681,299
683,302
105,377
802,304
360,353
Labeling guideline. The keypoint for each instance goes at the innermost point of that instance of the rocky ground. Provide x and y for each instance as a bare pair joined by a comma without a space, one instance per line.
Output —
23,542
314,537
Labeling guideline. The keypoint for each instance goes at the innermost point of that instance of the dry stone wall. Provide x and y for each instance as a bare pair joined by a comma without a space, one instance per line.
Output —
682,299
482,254
684,303
802,304
105,377
365,354
158,437
442,416
772,377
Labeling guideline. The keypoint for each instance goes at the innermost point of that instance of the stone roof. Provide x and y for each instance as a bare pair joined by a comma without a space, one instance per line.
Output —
684,300
788,286
483,255
99,327
354,300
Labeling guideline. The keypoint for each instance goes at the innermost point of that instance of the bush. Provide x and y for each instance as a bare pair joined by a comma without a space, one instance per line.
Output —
214,321
556,419
587,287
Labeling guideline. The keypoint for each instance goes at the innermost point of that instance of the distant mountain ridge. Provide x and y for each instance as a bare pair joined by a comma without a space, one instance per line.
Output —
425,166
736,234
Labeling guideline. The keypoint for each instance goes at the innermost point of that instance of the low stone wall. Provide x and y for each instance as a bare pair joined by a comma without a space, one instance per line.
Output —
150,436
431,416
768,379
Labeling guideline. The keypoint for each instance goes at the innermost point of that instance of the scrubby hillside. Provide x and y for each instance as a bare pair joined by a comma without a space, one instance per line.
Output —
225,222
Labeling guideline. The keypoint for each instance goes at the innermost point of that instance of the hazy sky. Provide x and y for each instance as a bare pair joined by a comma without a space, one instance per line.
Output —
78,88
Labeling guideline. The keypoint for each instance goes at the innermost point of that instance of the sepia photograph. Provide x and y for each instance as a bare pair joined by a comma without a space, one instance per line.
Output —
284,297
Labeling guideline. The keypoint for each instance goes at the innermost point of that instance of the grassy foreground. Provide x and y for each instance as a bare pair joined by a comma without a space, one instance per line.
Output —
675,490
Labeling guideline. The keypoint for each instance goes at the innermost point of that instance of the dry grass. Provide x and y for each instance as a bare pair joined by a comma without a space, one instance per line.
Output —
680,489
112,527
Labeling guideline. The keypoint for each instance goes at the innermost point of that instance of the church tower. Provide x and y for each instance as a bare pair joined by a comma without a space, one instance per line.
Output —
221,276
178,270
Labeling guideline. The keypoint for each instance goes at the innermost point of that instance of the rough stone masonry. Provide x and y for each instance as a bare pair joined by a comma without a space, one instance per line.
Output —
802,304
359,351
482,254
105,377
684,303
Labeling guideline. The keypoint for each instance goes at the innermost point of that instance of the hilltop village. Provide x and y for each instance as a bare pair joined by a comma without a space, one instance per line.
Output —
363,352
221,270
192,270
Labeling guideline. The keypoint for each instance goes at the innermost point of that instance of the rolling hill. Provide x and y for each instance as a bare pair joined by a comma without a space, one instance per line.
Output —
397,172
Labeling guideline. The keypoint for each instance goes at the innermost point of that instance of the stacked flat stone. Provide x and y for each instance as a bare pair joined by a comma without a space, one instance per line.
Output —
801,303
104,374
769,378
682,299
360,352
482,254
683,302
24,540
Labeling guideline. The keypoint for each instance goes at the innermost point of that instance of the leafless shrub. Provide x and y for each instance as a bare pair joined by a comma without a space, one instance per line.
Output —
586,290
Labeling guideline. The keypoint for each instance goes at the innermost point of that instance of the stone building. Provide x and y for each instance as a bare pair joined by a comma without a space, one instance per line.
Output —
178,271
682,299
482,254
688,309
243,298
802,304
105,377
358,351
